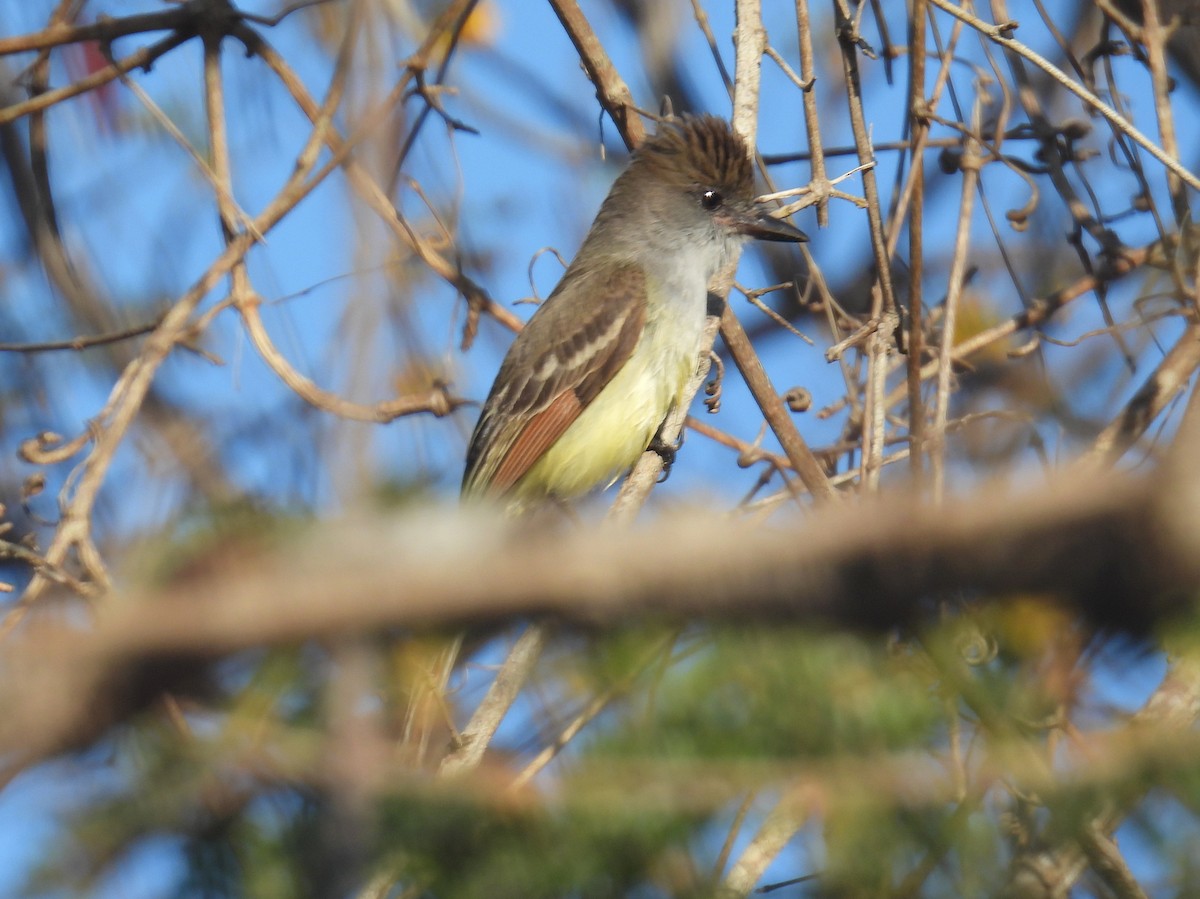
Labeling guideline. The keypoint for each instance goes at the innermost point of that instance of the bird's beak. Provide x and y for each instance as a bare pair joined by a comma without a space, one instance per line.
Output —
759,224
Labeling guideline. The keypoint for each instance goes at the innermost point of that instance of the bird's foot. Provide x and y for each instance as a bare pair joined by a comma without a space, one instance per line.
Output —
666,452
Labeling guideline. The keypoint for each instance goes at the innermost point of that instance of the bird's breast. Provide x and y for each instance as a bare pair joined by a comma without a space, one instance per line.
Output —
615,429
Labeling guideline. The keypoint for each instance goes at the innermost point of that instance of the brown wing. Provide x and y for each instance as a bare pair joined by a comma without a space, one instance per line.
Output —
567,354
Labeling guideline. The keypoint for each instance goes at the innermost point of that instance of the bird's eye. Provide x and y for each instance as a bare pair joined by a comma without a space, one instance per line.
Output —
711,199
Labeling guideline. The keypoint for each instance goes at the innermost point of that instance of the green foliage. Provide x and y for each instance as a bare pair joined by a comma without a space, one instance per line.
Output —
891,748
456,847
202,782
783,694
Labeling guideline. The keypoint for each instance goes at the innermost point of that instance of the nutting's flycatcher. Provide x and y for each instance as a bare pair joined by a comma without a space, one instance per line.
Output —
593,374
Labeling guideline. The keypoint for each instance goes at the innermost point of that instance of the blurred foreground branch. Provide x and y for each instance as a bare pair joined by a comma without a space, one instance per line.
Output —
1124,550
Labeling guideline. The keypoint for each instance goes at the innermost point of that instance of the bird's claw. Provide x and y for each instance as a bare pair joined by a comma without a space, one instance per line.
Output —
666,452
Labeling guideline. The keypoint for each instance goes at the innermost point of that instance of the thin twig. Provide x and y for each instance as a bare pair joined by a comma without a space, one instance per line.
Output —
777,414
106,30
919,123
611,89
82,342
475,738
437,400
812,122
594,707
1039,311
368,188
220,185
970,165
995,33
127,396
139,59
1159,390
883,300
776,831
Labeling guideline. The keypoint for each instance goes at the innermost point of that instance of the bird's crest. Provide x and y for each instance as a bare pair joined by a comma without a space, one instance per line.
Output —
700,149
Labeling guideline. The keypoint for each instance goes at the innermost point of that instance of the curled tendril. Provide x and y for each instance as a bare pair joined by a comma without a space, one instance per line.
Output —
712,390
48,448
976,647
798,399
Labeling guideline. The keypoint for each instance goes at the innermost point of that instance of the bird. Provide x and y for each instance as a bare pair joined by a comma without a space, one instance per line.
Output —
586,385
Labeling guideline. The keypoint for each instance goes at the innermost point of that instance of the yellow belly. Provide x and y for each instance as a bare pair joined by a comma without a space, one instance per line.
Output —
611,433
